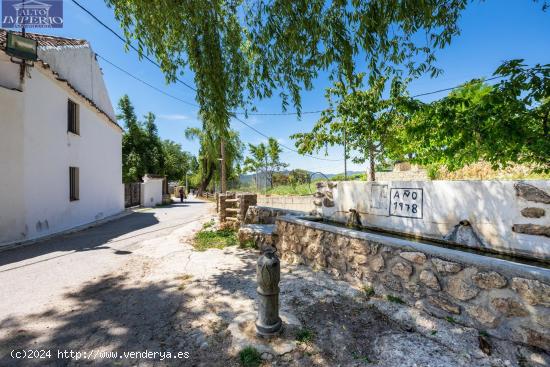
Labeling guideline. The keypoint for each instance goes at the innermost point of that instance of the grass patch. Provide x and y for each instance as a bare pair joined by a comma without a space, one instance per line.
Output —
450,319
395,299
250,357
219,239
305,336
367,290
208,224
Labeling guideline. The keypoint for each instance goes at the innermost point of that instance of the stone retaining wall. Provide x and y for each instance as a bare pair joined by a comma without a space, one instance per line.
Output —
506,299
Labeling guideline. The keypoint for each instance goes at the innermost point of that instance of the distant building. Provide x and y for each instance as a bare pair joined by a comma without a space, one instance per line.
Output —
60,145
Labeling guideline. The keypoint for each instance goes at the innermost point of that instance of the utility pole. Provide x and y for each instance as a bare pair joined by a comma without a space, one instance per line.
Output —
222,170
345,153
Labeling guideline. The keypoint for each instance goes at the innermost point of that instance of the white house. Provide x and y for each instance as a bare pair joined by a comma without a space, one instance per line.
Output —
60,145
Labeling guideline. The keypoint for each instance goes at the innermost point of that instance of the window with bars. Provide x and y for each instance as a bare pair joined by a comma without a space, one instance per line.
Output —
74,183
73,117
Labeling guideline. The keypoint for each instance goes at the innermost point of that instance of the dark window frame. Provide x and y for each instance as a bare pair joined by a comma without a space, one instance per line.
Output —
73,117
74,183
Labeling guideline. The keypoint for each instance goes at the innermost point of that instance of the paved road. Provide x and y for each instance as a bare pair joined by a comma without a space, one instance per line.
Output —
38,277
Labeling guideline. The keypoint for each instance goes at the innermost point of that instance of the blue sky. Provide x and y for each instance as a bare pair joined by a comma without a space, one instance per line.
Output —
492,31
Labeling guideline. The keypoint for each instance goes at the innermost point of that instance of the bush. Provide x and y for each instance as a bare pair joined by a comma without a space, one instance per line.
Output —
250,357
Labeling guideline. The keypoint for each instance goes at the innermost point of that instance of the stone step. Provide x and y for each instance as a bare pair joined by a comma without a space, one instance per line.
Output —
231,200
232,210
231,219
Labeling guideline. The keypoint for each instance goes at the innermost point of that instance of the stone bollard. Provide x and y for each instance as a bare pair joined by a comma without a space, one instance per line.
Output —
268,272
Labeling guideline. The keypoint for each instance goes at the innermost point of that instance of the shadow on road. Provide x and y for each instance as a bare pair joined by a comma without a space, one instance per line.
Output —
86,240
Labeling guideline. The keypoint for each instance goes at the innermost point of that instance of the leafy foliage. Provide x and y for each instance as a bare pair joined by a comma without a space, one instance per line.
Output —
266,158
209,153
502,124
144,152
362,119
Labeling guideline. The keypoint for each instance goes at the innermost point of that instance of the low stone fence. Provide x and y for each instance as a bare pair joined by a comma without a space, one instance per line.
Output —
506,299
301,203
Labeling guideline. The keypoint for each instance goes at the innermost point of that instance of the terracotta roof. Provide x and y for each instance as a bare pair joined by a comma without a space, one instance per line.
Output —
45,40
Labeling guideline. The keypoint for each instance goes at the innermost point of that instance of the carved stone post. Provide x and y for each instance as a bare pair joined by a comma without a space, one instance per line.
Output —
268,272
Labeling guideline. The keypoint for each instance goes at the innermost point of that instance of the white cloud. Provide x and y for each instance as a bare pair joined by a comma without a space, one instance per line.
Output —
174,117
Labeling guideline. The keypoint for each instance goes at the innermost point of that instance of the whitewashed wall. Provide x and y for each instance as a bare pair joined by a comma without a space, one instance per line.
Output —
36,153
151,192
492,208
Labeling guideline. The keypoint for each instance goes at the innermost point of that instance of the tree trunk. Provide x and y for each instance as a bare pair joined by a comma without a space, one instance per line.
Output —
371,163
222,173
206,181
345,155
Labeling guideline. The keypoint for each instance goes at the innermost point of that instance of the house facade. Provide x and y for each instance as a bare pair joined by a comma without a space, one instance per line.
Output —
60,145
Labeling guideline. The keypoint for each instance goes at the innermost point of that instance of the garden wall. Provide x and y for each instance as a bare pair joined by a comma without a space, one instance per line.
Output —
296,202
506,216
506,299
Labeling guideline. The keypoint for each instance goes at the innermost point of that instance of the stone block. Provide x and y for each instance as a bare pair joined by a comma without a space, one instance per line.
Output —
489,280
444,266
532,229
377,263
429,279
444,304
402,270
482,315
458,287
532,291
531,193
533,212
509,307
415,257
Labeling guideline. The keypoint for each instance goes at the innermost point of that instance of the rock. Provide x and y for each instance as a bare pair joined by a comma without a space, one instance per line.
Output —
535,338
360,259
415,257
444,304
509,307
429,279
320,185
482,315
415,289
532,229
531,193
377,263
328,203
533,212
318,202
402,270
532,291
332,185
444,266
267,356
460,289
465,234
489,280
318,195
484,345
391,282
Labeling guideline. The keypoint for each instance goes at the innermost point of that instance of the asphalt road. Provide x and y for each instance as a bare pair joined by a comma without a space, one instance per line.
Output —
36,277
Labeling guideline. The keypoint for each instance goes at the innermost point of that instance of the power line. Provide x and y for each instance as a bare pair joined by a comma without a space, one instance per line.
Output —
129,44
144,82
284,146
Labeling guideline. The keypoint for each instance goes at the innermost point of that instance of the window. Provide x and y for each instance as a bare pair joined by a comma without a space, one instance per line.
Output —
74,183
73,118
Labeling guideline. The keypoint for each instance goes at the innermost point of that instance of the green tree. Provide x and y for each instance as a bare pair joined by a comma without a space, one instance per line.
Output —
177,163
266,158
362,120
209,154
501,124
266,46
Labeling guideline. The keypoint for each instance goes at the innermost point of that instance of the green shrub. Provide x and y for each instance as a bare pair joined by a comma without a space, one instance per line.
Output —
395,299
250,357
219,239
